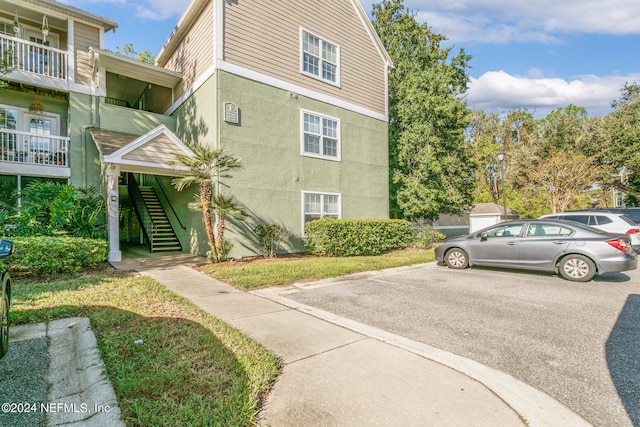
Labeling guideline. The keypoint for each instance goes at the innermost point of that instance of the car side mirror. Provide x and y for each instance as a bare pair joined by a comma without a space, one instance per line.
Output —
483,236
6,248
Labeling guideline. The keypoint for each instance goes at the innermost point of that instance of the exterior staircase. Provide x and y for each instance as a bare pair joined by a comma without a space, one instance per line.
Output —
163,237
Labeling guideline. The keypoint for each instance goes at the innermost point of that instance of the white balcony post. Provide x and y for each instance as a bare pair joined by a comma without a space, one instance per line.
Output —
113,223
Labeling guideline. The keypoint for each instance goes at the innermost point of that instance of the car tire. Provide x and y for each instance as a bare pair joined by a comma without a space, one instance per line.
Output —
577,268
4,326
456,258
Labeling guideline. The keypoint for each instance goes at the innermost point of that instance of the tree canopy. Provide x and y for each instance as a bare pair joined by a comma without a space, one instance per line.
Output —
431,167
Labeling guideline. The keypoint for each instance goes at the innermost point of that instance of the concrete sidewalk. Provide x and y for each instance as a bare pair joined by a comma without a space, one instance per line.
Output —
338,372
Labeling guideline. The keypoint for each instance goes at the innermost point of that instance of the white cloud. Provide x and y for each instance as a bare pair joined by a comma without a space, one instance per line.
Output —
500,92
146,9
160,11
502,21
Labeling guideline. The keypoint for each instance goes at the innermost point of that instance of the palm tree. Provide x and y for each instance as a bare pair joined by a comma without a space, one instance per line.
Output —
205,168
223,207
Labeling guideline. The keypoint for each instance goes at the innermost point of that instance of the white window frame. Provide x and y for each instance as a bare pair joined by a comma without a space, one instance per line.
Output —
320,155
320,59
322,213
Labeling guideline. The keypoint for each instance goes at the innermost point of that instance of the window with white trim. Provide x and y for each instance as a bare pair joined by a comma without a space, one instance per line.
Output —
320,58
320,136
320,205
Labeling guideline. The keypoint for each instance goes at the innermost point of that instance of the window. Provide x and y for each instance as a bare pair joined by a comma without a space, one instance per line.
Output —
320,58
584,219
8,141
602,220
511,230
320,205
548,230
8,118
320,136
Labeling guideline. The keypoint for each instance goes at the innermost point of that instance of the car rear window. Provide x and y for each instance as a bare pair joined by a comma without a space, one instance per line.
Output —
627,220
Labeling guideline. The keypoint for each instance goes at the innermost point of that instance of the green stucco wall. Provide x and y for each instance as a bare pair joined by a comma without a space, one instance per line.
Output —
83,156
129,120
275,174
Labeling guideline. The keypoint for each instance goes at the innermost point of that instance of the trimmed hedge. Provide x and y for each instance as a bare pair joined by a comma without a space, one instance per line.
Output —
348,237
48,256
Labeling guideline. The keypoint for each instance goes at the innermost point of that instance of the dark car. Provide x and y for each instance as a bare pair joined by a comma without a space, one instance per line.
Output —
574,250
6,248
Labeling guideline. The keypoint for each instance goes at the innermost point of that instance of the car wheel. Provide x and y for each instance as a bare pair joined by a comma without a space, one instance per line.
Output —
577,268
4,326
456,258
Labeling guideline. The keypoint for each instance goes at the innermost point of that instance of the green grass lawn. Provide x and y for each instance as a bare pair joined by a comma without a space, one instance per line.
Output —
283,271
191,369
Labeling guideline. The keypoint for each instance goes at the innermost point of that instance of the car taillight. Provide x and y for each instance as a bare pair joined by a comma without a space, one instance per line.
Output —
633,231
619,244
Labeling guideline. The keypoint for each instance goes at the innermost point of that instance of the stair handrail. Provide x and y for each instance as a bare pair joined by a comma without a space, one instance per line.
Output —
166,201
141,209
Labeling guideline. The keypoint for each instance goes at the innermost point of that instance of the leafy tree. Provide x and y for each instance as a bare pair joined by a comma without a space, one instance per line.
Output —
129,51
431,169
6,65
206,168
490,134
564,177
618,139
552,163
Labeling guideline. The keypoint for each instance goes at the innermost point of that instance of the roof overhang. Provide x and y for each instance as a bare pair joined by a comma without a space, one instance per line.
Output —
62,11
133,68
150,153
185,22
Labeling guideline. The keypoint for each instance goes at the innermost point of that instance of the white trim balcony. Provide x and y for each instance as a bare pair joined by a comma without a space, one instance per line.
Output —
25,148
34,58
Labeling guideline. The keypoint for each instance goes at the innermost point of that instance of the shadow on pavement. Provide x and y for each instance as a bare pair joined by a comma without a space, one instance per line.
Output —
622,350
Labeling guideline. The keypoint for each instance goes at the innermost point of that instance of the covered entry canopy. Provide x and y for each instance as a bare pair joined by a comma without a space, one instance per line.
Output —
150,153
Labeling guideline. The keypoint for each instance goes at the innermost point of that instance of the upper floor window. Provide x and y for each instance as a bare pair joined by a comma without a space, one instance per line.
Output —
320,136
320,58
8,118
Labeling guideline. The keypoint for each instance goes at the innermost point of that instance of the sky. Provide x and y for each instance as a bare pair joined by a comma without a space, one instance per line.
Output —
536,54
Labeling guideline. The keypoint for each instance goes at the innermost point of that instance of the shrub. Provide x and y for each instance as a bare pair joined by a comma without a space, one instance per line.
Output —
48,256
425,236
270,238
52,209
346,237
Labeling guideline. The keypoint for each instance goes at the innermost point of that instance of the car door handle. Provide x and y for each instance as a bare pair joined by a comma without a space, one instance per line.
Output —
558,242
512,243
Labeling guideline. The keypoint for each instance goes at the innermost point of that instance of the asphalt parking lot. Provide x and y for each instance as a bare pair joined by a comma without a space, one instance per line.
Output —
577,342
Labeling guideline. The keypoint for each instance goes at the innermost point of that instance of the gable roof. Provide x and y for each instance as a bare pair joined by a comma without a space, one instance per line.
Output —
151,152
375,39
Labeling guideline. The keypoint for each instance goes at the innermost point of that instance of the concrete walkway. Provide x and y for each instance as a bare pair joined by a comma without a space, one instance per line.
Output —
338,372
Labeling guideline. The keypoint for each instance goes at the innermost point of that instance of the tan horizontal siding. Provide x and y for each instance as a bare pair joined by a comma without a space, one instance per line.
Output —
85,37
160,150
265,37
194,55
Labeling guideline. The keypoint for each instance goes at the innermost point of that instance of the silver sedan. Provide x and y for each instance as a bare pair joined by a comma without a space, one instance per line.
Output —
574,250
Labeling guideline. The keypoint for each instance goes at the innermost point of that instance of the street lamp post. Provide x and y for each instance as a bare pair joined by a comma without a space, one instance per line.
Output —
504,195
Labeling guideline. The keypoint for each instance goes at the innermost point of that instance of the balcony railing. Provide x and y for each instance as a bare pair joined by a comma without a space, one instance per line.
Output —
27,148
23,55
